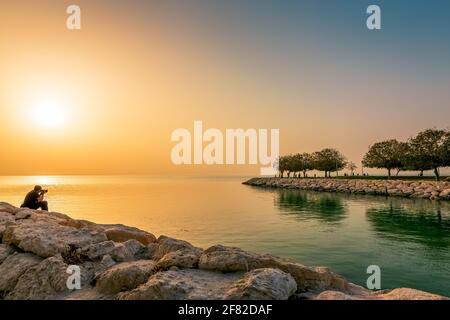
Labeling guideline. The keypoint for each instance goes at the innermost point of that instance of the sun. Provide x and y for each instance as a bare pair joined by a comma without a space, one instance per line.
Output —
49,113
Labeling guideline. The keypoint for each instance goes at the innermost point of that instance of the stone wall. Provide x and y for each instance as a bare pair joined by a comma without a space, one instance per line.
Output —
402,188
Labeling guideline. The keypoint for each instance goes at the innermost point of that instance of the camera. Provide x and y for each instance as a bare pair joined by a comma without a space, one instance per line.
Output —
42,192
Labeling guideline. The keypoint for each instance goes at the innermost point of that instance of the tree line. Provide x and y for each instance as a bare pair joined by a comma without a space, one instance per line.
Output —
327,160
428,150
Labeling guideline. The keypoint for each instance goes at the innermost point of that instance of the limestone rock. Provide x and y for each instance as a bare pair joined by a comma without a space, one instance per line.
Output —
225,259
63,219
230,259
184,284
409,294
23,214
5,251
128,251
107,261
121,233
6,207
263,284
5,218
166,244
183,258
13,267
42,281
125,276
47,239
98,250
335,295
396,294
445,193
99,267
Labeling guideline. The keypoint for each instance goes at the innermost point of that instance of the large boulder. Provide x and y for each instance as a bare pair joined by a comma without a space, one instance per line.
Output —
51,217
45,280
263,284
5,219
183,284
226,259
125,276
47,239
62,219
121,233
5,251
12,269
91,270
6,207
183,258
408,294
96,251
166,244
445,193
230,259
129,250
335,295
23,214
395,294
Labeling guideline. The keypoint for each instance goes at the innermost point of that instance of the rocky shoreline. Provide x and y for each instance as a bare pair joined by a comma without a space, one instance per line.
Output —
125,263
400,188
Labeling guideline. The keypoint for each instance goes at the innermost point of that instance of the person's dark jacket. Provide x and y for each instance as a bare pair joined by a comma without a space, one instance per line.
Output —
31,200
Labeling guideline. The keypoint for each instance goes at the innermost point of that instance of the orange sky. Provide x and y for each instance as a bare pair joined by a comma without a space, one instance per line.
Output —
128,79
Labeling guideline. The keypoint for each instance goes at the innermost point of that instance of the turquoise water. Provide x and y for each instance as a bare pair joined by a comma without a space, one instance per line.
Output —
408,239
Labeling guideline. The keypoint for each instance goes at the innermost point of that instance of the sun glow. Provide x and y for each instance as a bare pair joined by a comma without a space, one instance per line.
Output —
44,180
49,113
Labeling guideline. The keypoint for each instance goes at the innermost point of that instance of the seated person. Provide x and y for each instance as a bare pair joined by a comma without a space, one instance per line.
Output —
35,199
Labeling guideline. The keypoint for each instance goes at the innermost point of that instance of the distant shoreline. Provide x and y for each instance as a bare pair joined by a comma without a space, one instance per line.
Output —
423,189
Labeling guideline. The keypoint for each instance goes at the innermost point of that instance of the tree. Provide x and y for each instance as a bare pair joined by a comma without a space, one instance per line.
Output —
430,149
329,160
385,155
290,165
302,162
411,161
352,167
282,165
446,150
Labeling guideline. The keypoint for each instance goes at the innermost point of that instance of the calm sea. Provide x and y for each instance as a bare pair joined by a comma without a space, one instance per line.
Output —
408,239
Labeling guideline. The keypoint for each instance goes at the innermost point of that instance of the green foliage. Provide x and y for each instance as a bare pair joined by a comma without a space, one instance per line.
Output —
387,154
428,150
329,160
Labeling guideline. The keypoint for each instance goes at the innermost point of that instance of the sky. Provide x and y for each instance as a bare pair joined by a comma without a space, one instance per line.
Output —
105,99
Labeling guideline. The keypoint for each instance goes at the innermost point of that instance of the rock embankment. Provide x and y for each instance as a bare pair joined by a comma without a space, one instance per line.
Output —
400,188
38,250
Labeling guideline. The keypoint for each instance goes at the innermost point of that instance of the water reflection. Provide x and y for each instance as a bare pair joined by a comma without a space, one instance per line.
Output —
418,221
325,207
